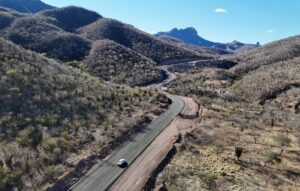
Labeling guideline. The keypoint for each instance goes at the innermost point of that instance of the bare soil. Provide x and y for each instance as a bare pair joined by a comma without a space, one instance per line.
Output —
140,171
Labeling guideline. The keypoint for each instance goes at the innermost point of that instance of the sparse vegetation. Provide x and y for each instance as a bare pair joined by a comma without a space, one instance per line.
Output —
114,62
272,53
51,113
41,34
267,129
56,113
71,18
134,39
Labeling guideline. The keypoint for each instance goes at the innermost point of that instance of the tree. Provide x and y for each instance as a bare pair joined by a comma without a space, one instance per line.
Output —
36,137
9,161
238,152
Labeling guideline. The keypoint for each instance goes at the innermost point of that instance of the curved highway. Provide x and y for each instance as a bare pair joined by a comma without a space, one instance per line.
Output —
108,172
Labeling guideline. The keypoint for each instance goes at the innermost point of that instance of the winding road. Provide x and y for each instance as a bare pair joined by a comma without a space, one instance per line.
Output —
102,177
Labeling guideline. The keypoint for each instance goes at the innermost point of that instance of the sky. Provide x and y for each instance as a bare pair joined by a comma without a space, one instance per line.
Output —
248,21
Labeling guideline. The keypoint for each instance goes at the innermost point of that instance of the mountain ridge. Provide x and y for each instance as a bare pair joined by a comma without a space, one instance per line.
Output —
190,35
26,6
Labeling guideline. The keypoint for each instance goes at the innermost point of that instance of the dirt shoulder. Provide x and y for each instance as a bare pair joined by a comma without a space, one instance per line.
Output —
139,172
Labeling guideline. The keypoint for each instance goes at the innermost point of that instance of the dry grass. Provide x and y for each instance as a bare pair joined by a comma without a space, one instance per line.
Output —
267,133
269,81
272,53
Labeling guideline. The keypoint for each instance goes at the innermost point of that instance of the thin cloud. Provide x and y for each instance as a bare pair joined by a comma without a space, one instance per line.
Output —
270,31
220,10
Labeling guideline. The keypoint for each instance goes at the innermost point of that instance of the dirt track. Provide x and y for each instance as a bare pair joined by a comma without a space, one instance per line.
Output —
135,177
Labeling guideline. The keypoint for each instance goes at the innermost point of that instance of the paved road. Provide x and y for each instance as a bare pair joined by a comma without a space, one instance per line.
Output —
107,173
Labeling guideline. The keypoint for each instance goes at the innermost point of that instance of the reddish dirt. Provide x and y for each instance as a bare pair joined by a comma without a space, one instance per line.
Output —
191,108
135,177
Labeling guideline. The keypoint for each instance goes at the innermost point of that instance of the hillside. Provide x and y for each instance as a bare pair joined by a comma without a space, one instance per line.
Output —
52,116
255,110
25,6
135,39
5,19
269,81
68,34
114,62
7,16
72,17
190,36
275,52
41,35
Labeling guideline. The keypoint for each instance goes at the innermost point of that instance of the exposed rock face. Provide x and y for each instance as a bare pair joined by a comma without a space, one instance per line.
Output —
190,36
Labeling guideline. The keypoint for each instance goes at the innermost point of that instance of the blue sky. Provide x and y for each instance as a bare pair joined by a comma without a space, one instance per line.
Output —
217,20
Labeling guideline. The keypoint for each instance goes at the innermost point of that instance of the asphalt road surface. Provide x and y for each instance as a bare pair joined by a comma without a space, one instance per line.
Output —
108,172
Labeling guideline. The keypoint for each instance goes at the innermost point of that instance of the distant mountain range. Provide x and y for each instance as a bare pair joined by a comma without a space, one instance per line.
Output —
73,33
190,36
25,6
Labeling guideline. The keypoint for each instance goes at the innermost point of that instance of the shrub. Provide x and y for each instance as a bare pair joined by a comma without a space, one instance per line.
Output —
272,157
36,137
238,152
74,64
282,140
51,144
51,173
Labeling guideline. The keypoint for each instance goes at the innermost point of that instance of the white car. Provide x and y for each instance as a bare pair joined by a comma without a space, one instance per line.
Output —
122,163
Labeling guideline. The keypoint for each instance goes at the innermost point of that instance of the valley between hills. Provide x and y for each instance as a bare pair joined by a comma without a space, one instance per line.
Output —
79,91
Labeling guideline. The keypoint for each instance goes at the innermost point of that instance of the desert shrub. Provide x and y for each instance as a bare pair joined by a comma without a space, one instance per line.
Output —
75,64
272,157
283,140
211,177
238,152
36,137
10,179
52,173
